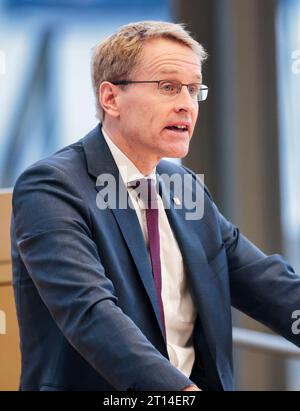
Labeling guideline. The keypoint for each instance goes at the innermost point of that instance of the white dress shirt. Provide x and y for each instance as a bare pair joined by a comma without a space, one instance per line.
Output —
179,309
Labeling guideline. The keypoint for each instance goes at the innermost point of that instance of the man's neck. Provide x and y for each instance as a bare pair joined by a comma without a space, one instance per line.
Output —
142,162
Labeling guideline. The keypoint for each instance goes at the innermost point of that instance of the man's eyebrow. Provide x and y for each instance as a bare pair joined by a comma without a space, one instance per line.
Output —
166,71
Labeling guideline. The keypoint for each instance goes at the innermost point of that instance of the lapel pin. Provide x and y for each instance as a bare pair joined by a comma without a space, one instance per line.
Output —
176,201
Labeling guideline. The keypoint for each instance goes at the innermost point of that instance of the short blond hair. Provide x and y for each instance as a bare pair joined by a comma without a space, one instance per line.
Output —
118,55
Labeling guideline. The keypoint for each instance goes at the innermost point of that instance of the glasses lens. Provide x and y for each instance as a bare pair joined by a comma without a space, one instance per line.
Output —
194,89
169,88
203,92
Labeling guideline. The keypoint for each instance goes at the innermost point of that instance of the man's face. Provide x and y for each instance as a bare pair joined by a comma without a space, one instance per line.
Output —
147,118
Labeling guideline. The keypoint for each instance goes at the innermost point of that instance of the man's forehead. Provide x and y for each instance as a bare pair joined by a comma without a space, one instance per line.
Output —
170,51
169,57
170,69
165,71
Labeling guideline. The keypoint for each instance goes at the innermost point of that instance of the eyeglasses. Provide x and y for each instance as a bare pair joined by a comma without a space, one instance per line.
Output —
172,87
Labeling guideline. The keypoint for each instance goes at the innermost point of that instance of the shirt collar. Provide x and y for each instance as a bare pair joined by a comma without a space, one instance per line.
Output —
128,171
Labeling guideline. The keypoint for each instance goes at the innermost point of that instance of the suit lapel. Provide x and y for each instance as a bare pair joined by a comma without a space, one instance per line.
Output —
188,236
100,162
131,230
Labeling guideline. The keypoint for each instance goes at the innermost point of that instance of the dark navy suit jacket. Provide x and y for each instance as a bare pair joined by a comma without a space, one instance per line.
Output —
84,290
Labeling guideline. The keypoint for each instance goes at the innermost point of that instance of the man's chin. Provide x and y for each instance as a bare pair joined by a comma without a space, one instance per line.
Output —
178,153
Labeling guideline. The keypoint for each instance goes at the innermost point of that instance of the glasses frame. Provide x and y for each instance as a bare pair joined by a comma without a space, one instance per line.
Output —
179,84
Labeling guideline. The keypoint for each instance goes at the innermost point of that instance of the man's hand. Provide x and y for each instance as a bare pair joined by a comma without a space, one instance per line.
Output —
191,388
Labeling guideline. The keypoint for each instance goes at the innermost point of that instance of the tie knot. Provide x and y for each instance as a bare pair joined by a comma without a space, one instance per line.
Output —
146,190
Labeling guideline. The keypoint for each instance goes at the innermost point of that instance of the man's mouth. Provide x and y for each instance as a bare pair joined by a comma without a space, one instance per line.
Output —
181,127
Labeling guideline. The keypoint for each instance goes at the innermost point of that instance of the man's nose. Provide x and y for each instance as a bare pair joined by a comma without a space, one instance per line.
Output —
184,101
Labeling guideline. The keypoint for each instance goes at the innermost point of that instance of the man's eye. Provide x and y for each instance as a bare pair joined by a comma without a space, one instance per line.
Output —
193,89
168,87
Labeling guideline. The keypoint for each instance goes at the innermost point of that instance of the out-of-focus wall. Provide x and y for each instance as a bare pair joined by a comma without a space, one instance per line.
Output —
46,97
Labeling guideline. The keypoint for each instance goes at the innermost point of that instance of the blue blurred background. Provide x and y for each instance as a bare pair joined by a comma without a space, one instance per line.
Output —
46,98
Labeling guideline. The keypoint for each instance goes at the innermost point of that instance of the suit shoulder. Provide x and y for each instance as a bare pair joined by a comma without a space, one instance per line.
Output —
61,162
69,160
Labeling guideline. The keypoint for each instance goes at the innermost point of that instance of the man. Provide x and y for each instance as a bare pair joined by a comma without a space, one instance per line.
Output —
136,297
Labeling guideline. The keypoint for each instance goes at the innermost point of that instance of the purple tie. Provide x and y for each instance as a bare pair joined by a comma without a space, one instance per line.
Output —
153,236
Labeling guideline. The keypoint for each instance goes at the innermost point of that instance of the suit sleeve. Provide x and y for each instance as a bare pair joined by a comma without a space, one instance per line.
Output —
54,239
265,287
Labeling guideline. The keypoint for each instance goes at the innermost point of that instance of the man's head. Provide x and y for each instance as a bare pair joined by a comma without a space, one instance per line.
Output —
142,116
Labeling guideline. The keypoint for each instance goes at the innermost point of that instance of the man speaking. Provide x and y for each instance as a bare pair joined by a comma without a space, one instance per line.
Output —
136,297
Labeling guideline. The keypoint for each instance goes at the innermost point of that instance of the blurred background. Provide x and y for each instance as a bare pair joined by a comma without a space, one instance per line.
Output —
246,141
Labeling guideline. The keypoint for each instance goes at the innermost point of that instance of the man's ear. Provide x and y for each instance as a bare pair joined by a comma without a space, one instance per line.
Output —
108,98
